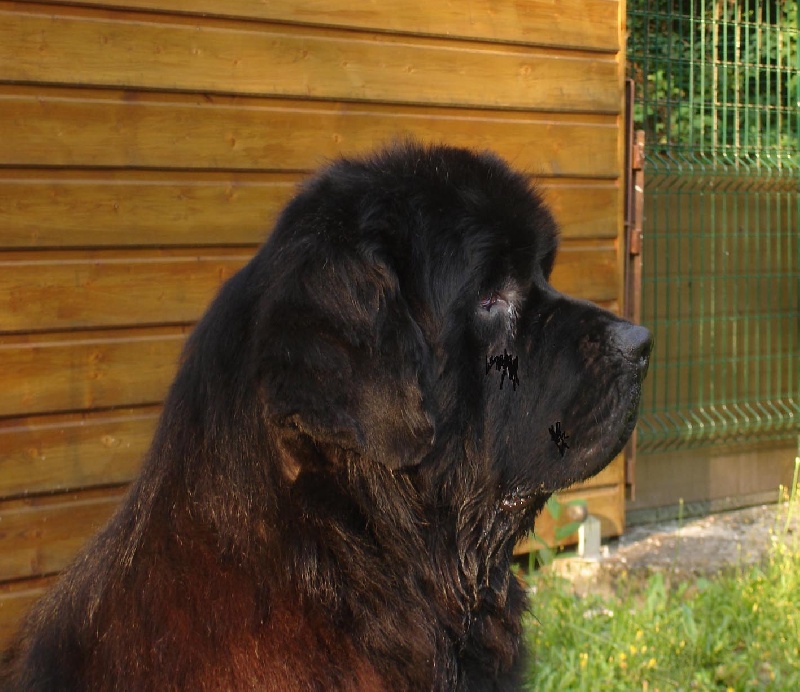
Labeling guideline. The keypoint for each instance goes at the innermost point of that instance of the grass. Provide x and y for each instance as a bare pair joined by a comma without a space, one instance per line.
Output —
736,631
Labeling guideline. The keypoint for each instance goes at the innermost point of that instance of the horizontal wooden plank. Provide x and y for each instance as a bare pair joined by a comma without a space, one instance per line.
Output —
40,536
606,503
69,452
587,270
72,46
74,372
65,127
611,475
63,290
576,24
40,209
583,209
104,288
16,598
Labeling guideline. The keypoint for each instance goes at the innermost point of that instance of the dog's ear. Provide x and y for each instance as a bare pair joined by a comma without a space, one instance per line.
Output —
344,364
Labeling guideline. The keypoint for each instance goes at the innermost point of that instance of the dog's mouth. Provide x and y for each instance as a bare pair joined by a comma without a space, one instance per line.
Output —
591,449
628,426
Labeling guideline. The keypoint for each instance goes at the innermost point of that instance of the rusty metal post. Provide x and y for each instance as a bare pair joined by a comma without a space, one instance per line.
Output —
634,211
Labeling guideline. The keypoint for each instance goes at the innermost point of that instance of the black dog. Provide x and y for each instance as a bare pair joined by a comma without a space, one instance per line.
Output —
336,484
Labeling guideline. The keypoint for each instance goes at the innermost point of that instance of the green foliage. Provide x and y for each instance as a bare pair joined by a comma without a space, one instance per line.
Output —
736,631
544,553
716,77
564,531
740,631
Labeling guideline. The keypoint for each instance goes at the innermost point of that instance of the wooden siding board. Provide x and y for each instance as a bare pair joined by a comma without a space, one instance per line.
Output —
590,24
65,290
584,209
120,169
79,128
107,288
75,372
604,502
62,209
68,452
611,475
40,536
16,598
587,271
71,47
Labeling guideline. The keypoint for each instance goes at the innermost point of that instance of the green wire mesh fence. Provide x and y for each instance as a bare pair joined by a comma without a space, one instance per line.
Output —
718,94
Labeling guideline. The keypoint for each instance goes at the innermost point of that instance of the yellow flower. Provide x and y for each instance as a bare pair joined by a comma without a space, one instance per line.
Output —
651,663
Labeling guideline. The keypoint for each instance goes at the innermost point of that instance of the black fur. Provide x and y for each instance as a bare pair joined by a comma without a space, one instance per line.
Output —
336,483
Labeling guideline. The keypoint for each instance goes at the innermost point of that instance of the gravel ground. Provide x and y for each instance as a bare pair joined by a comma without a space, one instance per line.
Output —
704,545
694,547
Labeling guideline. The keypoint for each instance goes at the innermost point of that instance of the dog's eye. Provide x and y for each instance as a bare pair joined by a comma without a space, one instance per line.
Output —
489,300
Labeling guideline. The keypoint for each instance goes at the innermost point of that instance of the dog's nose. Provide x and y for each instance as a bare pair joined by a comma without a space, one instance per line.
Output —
635,342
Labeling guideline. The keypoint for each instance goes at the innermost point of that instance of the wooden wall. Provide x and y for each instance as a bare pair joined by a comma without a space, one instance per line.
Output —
146,147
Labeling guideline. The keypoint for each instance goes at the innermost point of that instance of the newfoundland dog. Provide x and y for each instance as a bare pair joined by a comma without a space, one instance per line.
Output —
367,419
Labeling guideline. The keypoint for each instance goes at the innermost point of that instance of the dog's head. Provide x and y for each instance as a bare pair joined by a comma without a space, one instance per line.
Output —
406,318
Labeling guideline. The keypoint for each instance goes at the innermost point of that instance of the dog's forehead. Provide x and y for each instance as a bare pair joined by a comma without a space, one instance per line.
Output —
435,210
479,198
503,206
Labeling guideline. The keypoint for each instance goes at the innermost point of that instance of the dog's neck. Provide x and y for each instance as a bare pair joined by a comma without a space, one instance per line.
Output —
392,578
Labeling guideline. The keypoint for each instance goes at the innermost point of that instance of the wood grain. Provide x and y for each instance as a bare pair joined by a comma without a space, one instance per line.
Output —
610,475
584,208
148,146
588,24
16,598
44,373
587,270
40,536
68,452
606,503
63,290
62,209
146,51
80,128
138,209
